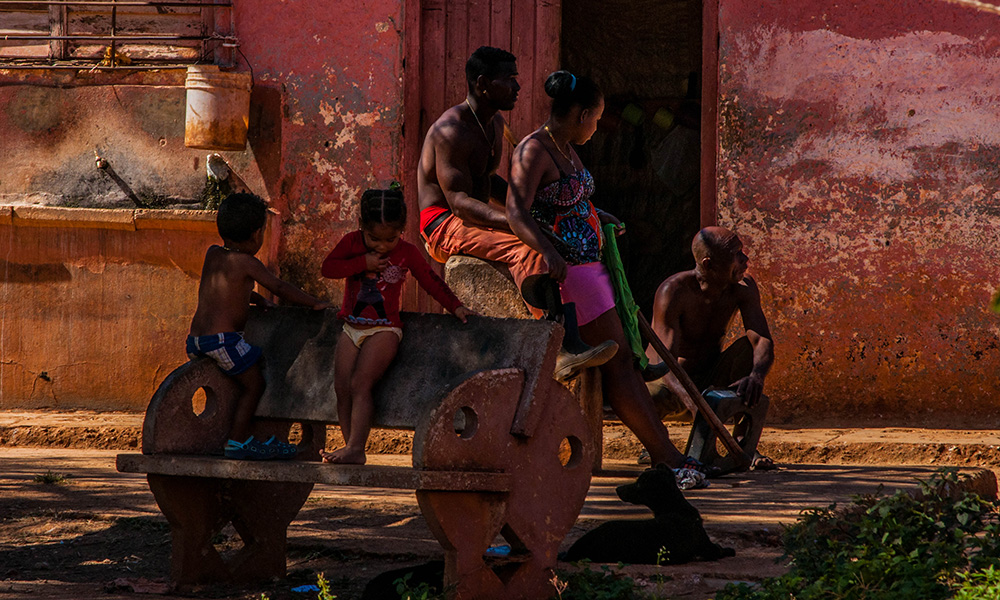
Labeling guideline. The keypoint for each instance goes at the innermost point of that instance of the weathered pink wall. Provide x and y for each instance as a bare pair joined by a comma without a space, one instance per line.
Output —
859,158
325,123
95,303
329,88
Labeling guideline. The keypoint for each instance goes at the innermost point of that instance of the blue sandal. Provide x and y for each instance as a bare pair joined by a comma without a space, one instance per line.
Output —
285,451
251,449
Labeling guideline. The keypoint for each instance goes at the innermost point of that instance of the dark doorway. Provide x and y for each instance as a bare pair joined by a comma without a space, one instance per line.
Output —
645,157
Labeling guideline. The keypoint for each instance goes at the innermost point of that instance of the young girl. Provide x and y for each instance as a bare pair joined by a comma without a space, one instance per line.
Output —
374,261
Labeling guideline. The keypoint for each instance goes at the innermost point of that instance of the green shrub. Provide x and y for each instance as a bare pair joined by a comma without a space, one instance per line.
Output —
982,585
50,478
899,547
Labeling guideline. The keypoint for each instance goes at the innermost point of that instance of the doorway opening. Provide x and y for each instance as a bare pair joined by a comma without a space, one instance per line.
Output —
646,55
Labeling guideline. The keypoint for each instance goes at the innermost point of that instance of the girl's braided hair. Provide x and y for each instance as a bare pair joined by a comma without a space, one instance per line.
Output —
383,207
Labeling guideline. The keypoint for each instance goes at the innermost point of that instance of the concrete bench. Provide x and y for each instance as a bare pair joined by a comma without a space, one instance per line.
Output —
499,448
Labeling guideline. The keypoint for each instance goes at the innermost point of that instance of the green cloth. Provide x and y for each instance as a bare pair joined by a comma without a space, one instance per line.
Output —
624,304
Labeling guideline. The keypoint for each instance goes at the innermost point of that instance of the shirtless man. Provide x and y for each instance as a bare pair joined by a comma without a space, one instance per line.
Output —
462,198
691,313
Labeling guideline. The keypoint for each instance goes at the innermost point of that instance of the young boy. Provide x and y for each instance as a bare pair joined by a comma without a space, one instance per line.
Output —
224,297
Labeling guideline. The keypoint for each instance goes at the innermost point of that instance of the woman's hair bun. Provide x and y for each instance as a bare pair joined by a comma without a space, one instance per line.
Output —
559,84
567,90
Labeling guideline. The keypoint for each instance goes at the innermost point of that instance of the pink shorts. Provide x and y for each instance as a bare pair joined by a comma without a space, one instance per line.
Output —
589,287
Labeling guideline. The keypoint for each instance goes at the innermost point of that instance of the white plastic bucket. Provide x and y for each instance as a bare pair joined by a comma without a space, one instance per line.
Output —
218,108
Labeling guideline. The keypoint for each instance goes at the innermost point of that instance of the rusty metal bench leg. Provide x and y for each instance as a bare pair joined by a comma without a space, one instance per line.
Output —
262,512
465,523
552,472
192,507
197,508
469,429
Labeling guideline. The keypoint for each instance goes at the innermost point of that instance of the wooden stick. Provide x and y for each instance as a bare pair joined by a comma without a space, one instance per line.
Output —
694,402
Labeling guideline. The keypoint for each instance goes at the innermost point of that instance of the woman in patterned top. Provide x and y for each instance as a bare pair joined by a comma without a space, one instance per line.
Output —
549,209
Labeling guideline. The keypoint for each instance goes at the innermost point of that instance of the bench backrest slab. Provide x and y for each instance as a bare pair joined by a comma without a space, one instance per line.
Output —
437,353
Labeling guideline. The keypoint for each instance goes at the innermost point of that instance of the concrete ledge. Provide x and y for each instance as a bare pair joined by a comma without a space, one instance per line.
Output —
179,220
109,218
51,216
314,472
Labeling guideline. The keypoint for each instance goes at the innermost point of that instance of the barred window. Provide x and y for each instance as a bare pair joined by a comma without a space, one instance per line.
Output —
115,34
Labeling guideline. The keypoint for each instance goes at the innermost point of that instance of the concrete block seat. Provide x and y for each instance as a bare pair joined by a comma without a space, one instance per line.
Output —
494,436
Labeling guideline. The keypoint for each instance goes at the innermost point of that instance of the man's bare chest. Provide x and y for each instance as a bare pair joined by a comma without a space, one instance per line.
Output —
706,320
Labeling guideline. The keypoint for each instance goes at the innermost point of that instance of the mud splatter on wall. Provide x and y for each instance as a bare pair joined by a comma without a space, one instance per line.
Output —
859,157
325,122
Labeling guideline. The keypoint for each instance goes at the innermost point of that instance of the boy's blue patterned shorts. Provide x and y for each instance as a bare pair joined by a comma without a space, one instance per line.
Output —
229,350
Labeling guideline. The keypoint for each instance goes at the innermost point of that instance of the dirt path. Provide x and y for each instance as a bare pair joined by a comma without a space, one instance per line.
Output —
74,537
90,526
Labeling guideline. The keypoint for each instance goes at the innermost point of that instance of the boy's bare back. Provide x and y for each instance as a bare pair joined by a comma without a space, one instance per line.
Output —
227,281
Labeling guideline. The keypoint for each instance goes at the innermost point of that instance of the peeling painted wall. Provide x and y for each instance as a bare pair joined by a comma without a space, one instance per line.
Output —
859,159
335,82
325,123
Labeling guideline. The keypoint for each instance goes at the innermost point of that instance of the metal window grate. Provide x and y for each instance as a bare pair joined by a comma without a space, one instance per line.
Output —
113,34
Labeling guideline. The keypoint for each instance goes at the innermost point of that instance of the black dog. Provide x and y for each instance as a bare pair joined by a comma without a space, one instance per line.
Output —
675,535
384,585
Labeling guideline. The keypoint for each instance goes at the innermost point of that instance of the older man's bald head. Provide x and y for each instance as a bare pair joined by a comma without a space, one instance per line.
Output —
714,242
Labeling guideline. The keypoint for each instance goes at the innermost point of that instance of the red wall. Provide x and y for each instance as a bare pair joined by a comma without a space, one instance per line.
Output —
328,114
325,123
859,159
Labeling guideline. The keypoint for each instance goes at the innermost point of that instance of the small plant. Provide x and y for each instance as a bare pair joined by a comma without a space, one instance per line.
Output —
662,555
559,584
983,585
901,547
424,591
585,583
324,588
50,478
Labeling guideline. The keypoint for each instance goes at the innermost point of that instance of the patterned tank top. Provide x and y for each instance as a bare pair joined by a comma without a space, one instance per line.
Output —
563,208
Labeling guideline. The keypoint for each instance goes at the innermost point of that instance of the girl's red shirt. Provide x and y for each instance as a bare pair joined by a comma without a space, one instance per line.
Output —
364,290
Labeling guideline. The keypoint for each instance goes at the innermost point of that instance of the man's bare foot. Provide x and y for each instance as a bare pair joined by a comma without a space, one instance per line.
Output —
345,456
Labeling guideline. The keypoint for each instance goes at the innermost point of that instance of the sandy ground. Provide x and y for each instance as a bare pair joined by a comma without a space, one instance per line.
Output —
76,536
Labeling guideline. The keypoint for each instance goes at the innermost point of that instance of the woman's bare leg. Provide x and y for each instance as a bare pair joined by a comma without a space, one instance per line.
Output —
627,394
